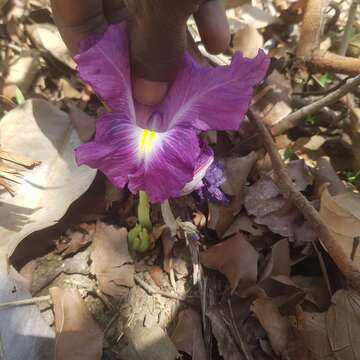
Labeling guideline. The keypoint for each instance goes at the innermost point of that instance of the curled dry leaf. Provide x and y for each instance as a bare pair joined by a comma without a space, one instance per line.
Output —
44,193
76,240
237,171
46,36
236,258
342,215
187,335
78,336
220,218
111,262
275,325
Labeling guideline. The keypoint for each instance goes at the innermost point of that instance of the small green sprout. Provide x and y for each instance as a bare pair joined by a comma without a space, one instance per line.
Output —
19,96
311,120
325,80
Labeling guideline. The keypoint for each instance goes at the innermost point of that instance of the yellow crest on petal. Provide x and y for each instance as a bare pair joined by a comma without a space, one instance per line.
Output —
146,141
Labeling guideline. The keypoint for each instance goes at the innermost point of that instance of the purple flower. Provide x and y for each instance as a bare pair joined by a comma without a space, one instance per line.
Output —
164,157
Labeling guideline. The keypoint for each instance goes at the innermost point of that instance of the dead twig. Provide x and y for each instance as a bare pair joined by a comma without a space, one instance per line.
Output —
152,291
349,24
309,53
32,301
288,190
294,118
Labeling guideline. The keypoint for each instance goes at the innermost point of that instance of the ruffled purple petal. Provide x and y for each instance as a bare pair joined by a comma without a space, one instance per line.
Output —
214,98
170,166
212,181
103,62
114,150
203,162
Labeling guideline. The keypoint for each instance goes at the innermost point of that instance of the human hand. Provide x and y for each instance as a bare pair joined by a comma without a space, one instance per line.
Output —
157,34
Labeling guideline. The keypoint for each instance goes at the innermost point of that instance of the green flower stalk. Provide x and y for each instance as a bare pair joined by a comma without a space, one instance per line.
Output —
138,237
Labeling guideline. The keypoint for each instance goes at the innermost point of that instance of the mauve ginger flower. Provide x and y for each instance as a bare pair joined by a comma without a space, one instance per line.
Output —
165,159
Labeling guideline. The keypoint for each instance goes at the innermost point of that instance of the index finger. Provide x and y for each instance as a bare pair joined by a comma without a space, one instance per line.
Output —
77,19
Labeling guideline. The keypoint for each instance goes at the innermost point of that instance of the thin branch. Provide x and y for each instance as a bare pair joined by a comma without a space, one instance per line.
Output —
309,53
152,291
32,301
288,190
294,118
347,31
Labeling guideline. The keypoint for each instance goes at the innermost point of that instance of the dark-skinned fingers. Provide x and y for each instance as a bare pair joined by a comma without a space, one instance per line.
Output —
213,26
115,11
77,19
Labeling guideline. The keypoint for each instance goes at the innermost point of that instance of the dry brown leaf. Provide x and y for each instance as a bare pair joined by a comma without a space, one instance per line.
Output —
220,218
275,325
43,194
187,336
78,336
326,174
248,40
300,174
111,262
342,215
155,273
243,223
236,258
273,101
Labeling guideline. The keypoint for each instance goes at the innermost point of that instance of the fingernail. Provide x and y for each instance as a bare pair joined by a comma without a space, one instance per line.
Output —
148,92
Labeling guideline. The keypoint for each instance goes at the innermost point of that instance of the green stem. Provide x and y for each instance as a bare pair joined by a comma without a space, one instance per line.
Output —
144,211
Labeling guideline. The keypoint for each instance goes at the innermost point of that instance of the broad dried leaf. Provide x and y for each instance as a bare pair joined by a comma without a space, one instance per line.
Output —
187,335
275,325
342,215
78,336
236,258
111,262
220,218
44,193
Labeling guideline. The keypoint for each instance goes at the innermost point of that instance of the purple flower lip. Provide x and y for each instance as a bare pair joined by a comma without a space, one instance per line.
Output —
158,150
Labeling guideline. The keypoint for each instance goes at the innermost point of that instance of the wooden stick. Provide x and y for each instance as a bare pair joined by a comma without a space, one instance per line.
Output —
294,118
32,301
288,190
349,24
